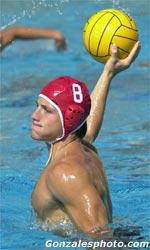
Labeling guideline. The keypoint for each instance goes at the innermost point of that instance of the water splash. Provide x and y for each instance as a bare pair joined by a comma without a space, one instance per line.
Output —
29,10
116,4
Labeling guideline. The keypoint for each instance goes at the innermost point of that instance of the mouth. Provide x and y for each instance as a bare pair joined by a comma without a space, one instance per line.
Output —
35,125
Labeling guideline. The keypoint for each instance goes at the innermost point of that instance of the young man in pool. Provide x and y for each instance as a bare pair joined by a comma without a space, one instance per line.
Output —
73,185
23,32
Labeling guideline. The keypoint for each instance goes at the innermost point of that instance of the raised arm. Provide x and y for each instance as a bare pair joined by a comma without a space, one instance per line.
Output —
24,32
99,95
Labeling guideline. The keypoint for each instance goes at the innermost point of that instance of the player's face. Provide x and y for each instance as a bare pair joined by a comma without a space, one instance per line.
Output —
46,124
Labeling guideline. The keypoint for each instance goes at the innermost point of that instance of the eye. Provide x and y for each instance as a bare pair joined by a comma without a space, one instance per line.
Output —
47,110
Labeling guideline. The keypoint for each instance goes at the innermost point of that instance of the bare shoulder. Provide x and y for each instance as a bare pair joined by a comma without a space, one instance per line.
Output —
66,178
69,171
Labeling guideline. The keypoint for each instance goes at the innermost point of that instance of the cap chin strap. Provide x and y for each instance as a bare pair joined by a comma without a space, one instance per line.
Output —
60,115
61,119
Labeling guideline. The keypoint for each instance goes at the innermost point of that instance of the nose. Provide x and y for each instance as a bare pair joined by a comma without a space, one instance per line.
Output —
36,114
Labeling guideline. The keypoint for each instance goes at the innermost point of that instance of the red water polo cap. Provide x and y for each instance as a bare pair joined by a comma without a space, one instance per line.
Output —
71,99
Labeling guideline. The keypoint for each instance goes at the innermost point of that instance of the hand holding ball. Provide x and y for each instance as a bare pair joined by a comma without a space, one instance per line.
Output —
107,27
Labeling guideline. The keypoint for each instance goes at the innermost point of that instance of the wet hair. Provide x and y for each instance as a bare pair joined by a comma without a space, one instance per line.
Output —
81,132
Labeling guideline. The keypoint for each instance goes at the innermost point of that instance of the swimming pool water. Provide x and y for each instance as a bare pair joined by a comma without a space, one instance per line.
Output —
124,139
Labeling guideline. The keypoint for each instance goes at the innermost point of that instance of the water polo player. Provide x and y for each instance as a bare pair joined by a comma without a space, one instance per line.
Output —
73,186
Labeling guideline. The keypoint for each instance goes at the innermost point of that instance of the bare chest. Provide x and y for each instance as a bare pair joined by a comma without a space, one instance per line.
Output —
43,201
50,212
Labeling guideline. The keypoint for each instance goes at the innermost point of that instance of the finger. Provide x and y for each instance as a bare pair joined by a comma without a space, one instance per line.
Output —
114,52
134,53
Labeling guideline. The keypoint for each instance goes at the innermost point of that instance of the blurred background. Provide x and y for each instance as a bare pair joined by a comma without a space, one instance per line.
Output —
123,142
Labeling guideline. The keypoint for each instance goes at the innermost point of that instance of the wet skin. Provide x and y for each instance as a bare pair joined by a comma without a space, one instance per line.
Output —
73,185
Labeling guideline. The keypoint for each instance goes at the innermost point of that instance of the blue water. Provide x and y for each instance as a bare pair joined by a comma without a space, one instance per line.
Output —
124,139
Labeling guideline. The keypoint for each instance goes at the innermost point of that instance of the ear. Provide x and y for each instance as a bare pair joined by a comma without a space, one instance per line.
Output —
74,116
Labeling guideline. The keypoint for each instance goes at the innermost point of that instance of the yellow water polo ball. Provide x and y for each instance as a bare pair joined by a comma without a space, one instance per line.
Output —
107,27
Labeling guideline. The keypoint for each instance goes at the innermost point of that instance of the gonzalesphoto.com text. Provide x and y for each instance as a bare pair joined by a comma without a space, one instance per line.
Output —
96,244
